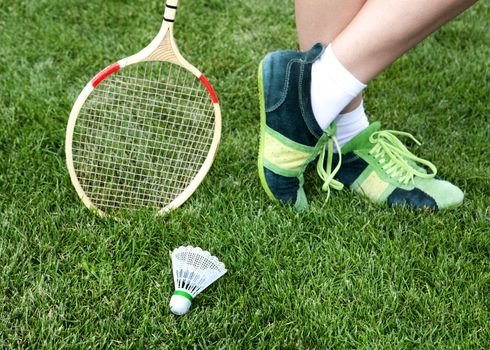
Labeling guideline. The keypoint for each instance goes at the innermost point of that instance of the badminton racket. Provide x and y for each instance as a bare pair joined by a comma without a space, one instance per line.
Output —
144,131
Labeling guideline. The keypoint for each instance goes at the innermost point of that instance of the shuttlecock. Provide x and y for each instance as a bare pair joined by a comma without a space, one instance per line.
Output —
194,270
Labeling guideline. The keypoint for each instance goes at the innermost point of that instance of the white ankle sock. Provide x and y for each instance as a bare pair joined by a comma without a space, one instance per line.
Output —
350,124
332,88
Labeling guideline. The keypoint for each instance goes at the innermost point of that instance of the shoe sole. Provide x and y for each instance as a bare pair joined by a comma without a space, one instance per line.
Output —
260,162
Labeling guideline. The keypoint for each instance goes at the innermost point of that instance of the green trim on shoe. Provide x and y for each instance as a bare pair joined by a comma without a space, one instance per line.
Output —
262,135
284,153
371,185
290,143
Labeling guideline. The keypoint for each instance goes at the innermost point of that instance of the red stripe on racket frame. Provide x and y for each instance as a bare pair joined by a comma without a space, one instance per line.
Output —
208,86
105,73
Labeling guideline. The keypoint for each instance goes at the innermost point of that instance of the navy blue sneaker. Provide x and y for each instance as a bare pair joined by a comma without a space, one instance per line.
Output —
290,137
376,165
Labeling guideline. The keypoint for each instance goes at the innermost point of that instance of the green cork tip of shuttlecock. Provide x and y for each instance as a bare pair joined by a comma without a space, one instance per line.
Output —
194,270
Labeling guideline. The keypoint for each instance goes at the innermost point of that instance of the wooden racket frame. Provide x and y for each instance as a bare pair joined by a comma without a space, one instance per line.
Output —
162,48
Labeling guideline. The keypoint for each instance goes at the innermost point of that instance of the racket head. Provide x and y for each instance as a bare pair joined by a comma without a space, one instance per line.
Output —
143,133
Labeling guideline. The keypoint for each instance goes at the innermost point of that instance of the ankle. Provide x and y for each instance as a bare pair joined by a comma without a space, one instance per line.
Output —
350,124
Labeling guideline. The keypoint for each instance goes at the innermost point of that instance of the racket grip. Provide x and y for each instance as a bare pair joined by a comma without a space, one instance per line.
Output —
170,10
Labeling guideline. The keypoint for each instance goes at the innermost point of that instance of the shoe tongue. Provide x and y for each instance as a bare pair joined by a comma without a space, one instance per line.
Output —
361,141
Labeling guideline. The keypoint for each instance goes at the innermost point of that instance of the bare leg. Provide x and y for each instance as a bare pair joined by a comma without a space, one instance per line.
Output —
321,21
385,29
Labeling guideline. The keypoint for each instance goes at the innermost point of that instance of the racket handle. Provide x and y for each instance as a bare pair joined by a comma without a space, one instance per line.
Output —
170,10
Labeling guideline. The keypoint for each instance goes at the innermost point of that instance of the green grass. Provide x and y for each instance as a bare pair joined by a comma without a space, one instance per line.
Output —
344,274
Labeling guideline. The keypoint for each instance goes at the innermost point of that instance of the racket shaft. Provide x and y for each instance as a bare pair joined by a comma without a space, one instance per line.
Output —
170,10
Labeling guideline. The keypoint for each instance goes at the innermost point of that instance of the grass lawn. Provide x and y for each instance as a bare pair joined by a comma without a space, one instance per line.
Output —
343,274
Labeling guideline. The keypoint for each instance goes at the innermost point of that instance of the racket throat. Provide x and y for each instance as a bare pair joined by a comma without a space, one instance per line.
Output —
165,49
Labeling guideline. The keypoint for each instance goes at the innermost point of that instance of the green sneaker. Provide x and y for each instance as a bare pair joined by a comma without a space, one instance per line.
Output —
290,137
378,166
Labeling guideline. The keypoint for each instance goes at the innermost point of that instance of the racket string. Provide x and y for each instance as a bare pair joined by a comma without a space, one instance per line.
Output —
135,129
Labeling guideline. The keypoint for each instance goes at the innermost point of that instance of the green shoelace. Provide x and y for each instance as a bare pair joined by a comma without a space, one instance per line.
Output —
393,156
327,174
395,159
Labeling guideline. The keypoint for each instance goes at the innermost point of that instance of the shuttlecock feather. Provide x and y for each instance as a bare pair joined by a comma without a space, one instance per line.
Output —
194,270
